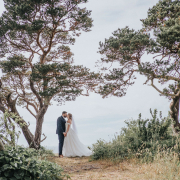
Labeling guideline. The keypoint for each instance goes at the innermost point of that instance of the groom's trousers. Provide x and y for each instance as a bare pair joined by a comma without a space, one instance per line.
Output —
61,142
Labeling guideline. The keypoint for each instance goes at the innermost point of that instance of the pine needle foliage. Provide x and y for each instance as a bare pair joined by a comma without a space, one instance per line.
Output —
158,37
37,61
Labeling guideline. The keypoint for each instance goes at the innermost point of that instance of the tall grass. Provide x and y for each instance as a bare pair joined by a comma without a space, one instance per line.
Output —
142,139
165,165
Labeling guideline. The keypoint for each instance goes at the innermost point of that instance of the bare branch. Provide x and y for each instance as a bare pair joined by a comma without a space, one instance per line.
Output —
37,40
31,104
36,93
27,107
44,137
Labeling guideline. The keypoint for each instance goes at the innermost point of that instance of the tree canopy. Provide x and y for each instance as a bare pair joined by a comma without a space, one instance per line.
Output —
36,57
159,36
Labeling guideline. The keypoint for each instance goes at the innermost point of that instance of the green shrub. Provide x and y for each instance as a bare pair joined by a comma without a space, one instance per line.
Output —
25,163
141,138
8,128
45,152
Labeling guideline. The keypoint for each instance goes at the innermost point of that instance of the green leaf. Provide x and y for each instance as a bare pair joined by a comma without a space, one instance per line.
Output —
6,166
17,175
6,173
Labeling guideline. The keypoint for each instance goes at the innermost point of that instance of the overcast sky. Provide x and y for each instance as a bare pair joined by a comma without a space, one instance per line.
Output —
96,117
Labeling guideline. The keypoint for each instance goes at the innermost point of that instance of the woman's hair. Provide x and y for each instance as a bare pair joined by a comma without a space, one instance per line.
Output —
70,116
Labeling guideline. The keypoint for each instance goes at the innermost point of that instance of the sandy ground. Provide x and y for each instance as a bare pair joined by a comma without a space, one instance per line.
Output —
83,169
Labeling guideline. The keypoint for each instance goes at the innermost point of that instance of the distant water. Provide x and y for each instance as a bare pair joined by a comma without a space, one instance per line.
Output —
54,148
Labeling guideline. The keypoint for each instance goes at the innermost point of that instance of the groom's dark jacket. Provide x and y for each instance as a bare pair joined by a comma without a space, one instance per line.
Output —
60,125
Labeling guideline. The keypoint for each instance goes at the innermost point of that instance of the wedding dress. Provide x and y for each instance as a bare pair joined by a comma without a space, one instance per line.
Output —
72,146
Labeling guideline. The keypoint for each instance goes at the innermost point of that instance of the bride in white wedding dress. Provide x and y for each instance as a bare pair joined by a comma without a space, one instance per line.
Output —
72,146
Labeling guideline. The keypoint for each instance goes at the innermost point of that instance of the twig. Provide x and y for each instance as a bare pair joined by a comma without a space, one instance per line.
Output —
44,137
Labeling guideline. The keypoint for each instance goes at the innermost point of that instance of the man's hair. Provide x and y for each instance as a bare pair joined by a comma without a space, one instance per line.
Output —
64,112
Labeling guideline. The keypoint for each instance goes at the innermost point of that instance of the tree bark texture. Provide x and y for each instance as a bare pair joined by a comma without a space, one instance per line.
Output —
174,113
1,146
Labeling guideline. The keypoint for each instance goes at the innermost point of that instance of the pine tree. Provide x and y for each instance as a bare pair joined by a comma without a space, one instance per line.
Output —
36,59
159,36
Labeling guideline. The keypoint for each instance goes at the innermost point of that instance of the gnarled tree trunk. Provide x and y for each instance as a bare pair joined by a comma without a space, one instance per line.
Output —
38,132
174,113
1,146
32,140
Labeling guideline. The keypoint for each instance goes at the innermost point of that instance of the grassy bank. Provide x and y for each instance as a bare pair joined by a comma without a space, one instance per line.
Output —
142,139
162,168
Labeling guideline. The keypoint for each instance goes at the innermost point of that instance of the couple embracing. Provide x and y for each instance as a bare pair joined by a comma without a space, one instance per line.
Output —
69,143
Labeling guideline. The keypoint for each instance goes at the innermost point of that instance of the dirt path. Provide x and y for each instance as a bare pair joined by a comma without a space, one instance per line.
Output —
83,169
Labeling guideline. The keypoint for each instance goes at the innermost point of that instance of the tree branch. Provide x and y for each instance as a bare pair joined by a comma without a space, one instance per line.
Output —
44,137
27,107
165,77
31,104
18,45
6,139
36,93
152,84
1,146
37,40
2,108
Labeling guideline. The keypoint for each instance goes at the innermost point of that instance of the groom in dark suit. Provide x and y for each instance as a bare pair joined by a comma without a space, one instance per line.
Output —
60,130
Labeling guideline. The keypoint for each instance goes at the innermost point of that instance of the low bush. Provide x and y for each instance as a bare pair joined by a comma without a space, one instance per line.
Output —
25,163
142,138
44,152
